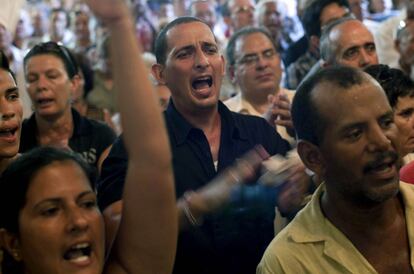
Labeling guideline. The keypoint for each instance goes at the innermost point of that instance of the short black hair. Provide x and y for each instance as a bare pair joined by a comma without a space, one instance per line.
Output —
67,16
231,45
394,82
312,13
57,50
161,43
308,122
5,65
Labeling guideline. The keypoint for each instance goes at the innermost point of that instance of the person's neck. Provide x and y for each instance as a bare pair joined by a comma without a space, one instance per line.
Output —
56,38
406,68
204,119
258,99
4,162
83,43
360,219
57,126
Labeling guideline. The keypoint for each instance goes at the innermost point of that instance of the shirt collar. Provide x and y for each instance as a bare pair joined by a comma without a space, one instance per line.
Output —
181,128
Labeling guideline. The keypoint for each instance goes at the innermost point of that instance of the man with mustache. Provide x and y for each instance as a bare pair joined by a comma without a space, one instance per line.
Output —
360,219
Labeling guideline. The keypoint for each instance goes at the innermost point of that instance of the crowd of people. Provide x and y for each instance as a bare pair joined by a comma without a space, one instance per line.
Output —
207,136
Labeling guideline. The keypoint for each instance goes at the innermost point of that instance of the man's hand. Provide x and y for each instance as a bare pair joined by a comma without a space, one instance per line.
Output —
279,112
291,196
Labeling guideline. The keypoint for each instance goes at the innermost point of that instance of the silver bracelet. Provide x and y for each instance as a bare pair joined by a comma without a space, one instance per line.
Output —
190,217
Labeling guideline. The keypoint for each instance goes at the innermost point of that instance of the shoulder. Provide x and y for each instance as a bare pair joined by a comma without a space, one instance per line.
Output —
283,255
258,131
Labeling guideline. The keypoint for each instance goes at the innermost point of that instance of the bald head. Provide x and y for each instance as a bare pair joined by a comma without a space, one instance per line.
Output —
348,42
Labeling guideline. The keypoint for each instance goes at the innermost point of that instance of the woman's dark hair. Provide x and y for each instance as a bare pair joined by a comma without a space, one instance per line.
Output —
59,51
15,181
4,64
17,177
394,82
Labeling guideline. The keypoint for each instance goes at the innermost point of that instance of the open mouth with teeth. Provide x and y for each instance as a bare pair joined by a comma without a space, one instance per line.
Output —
78,253
8,132
202,83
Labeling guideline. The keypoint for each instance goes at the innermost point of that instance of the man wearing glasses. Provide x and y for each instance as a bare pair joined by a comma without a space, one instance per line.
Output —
255,66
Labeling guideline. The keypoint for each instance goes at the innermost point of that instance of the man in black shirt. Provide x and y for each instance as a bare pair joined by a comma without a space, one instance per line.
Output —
205,139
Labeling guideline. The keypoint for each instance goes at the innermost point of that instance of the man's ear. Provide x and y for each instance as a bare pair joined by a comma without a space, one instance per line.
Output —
224,62
157,71
397,46
75,82
314,41
10,242
231,73
311,156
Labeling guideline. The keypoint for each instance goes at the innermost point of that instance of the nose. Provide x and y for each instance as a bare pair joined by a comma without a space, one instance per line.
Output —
41,83
6,110
261,62
379,139
77,221
201,60
365,59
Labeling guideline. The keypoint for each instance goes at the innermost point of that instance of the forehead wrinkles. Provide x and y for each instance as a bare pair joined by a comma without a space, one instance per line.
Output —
187,34
252,43
350,32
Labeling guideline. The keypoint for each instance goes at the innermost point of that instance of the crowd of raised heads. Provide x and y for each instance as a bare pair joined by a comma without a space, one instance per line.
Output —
207,136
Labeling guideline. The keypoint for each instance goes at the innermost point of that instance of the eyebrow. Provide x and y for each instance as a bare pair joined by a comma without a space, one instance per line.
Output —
12,89
57,199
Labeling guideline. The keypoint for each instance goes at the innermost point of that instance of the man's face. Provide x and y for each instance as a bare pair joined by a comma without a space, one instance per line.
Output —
332,12
193,68
204,11
257,69
354,44
358,151
5,38
356,9
270,18
58,23
241,13
406,45
404,119
82,26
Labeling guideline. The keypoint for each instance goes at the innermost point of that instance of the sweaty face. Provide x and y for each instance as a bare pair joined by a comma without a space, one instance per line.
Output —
60,226
49,86
241,13
257,69
404,119
194,67
11,113
270,18
359,157
355,45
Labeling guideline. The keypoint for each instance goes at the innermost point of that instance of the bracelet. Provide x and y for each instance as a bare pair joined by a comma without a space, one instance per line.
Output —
187,212
235,177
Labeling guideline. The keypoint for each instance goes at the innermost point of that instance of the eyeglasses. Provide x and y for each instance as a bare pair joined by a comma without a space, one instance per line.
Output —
244,9
253,58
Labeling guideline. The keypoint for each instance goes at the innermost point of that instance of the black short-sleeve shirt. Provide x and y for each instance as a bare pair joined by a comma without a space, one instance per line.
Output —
90,138
233,239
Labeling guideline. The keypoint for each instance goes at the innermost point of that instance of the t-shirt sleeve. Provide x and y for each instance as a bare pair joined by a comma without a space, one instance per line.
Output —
112,178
